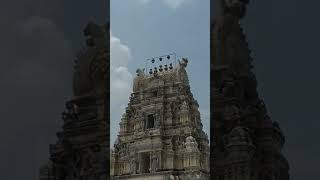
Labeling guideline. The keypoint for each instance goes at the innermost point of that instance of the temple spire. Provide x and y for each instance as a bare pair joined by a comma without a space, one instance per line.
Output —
229,47
161,135
243,133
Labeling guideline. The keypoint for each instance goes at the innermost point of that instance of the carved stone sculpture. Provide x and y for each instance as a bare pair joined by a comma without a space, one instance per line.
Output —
81,152
244,135
162,100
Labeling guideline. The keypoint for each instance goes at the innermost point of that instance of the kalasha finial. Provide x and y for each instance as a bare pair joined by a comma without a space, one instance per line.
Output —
158,63
160,68
166,67
170,67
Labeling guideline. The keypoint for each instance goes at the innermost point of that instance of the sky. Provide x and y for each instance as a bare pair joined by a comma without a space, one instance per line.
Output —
284,39
39,40
142,29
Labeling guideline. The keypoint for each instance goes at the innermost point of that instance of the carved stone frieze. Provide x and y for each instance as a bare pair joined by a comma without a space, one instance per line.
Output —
166,112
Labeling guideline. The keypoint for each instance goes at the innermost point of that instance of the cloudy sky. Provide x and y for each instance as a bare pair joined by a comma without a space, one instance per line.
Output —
142,29
284,37
37,47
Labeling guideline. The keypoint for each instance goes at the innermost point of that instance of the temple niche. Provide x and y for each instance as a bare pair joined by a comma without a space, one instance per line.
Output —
161,134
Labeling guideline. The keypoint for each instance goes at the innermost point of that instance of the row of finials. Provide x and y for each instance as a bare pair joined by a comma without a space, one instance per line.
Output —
161,68
160,59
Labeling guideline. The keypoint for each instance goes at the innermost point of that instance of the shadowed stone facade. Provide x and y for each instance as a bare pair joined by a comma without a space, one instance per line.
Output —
161,134
247,143
81,152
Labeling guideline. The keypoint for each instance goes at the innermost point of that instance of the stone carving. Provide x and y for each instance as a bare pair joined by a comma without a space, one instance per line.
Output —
181,72
70,113
191,144
154,162
231,112
239,134
140,75
227,88
133,164
184,106
81,152
242,128
91,63
161,150
140,72
182,64
157,120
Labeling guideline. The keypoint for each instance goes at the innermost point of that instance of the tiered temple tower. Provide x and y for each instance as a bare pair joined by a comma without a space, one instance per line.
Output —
161,134
247,143
82,149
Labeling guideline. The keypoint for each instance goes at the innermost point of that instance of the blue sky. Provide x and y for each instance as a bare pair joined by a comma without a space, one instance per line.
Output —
142,29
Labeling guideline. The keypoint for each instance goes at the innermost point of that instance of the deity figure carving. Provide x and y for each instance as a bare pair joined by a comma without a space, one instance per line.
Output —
184,106
133,164
136,81
181,71
239,134
191,144
154,162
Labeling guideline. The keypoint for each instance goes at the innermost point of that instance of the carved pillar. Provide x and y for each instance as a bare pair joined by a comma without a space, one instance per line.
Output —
139,160
150,164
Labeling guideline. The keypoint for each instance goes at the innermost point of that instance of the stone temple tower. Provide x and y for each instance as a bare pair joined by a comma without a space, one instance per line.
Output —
161,134
246,142
82,149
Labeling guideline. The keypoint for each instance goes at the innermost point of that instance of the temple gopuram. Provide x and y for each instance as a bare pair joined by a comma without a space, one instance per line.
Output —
247,143
161,135
82,149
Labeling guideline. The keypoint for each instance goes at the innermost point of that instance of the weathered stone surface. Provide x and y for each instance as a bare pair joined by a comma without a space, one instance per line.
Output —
82,149
161,131
247,143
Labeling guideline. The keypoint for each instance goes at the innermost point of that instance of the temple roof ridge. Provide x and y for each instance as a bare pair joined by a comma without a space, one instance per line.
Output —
175,74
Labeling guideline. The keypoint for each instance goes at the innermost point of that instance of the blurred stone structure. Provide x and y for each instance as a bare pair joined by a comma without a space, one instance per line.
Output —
161,136
247,144
82,149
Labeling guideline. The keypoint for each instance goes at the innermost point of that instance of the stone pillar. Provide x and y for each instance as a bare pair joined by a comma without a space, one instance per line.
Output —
140,163
160,160
150,158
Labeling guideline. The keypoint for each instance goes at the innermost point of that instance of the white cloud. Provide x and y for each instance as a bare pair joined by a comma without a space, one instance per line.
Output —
120,53
145,1
120,82
174,4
